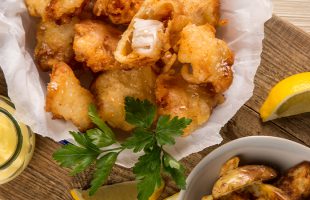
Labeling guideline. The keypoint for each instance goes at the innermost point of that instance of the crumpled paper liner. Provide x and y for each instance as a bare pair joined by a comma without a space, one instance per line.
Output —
27,86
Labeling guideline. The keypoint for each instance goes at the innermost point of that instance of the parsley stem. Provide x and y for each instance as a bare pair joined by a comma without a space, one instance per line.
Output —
114,149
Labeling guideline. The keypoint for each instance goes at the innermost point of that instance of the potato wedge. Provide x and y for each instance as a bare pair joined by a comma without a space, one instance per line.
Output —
267,192
296,183
240,178
229,165
237,196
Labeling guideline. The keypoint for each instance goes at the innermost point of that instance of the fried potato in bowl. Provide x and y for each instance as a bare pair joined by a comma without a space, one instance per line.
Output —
277,153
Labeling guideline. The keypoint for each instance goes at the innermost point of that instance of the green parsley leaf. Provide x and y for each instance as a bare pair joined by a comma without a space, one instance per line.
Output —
147,171
103,168
83,140
149,162
141,139
100,138
74,157
175,169
167,129
95,118
148,185
139,113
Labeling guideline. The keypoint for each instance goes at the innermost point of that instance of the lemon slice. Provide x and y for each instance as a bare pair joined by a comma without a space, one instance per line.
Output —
173,197
121,191
290,96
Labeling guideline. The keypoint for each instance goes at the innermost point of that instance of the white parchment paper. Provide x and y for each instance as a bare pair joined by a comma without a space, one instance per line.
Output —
27,86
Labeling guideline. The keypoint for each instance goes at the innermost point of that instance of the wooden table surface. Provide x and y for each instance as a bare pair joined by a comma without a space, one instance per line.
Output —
285,52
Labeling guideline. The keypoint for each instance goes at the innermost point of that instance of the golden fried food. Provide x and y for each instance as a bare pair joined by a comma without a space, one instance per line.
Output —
64,9
296,183
37,8
229,165
209,197
176,97
206,59
118,11
237,196
112,87
67,99
94,44
202,11
267,192
240,178
54,43
148,36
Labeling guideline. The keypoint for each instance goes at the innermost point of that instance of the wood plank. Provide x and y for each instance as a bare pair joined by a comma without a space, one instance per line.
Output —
286,51
295,11
44,179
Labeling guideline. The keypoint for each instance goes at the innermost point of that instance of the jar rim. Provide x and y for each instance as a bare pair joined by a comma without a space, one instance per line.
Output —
17,131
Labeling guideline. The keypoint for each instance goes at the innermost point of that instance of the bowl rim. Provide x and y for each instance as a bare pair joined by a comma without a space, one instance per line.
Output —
233,144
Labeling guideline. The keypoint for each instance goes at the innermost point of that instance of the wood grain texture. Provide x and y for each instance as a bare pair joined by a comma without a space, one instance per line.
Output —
295,11
285,52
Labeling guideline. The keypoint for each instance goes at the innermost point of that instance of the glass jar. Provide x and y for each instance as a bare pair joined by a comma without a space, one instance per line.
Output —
17,143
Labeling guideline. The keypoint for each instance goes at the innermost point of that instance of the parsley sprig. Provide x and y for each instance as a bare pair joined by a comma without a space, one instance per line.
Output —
93,148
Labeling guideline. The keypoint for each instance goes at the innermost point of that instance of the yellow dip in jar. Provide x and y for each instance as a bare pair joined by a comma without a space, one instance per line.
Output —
16,143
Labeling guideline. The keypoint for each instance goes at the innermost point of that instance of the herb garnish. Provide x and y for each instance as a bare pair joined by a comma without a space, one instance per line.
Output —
145,137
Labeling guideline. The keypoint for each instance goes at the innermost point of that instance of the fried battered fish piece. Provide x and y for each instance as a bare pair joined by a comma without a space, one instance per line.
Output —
65,9
54,43
94,43
176,97
112,87
202,11
67,99
205,58
296,183
37,8
118,11
149,34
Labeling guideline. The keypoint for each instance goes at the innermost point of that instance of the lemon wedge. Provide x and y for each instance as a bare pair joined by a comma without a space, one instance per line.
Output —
290,96
121,191
173,197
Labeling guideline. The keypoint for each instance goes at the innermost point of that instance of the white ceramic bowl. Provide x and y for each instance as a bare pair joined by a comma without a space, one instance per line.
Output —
275,152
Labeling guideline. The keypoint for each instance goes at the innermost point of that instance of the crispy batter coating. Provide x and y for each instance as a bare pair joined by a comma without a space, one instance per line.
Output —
111,88
176,97
118,11
149,34
67,99
202,11
64,9
296,183
209,58
94,43
54,43
37,8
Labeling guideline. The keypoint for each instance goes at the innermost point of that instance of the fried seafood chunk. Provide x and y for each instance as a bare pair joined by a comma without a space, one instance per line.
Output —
112,87
296,183
67,99
118,11
176,97
54,43
202,11
37,8
150,33
94,43
205,58
65,9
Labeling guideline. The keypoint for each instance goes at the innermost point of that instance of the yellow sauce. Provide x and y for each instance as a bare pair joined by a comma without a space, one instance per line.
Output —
9,138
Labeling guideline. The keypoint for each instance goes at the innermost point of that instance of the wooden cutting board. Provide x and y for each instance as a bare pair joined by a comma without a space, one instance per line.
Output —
286,52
